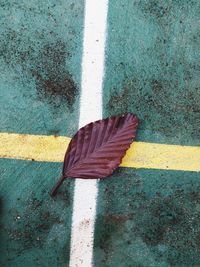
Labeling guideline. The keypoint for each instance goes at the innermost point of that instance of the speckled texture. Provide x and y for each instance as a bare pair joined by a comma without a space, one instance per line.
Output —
151,218
148,218
40,48
145,218
152,68
35,228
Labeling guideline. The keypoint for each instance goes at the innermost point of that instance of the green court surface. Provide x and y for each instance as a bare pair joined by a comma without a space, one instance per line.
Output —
41,47
151,217
145,218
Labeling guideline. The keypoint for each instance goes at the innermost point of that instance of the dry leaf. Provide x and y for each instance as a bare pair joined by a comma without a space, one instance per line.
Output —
97,149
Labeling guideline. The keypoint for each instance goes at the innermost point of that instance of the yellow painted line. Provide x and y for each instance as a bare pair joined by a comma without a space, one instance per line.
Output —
33,147
140,154
162,156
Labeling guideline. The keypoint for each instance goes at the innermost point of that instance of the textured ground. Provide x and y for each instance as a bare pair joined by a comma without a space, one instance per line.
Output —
145,218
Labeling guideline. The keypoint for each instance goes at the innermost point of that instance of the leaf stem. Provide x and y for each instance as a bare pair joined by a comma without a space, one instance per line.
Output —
56,186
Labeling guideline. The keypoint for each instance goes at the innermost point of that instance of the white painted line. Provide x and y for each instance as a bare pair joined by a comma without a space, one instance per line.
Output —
85,193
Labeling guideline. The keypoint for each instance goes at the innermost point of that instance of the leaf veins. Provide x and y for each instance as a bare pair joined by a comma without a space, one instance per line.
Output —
97,149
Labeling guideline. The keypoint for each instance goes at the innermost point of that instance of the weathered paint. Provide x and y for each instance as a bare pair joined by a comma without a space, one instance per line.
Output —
85,192
35,228
40,66
152,68
144,217
139,155
41,45
48,148
149,218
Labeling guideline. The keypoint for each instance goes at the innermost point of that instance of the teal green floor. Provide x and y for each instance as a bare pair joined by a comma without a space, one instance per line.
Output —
145,218
150,218
41,47
152,68
35,228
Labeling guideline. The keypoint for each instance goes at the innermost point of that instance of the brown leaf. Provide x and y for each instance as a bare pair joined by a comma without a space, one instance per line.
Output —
97,149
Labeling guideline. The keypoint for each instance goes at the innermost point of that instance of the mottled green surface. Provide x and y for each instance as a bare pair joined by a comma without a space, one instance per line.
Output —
40,47
151,218
148,218
145,218
153,67
35,229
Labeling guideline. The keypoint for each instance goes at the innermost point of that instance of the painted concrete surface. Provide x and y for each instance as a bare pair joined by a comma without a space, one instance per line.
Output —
144,217
151,217
148,218
152,68
86,191
41,47
35,229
